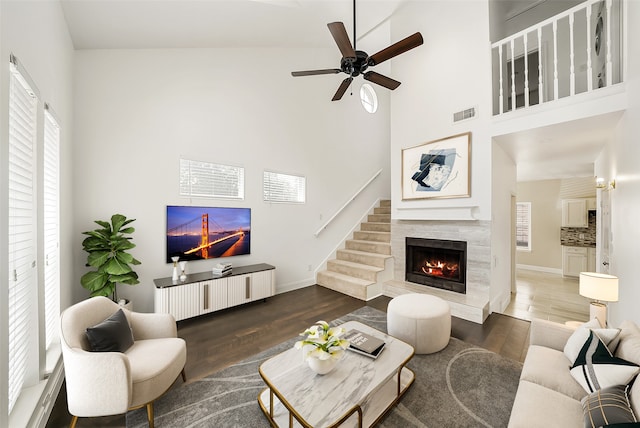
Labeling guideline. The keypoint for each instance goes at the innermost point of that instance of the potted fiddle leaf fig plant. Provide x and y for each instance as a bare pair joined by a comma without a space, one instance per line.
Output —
109,257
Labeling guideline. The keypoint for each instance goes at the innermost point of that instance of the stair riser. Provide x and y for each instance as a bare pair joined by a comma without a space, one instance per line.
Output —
375,227
369,236
379,218
382,210
359,292
385,203
333,266
360,258
369,247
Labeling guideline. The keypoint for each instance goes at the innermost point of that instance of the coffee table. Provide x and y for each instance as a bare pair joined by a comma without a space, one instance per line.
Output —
358,392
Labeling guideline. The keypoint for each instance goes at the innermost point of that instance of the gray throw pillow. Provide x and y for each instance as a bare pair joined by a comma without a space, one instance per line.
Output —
607,407
111,335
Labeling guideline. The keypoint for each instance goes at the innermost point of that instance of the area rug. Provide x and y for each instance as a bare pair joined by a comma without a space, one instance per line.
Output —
460,386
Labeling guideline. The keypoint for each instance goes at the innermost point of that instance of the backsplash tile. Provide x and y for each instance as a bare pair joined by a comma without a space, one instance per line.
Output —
580,236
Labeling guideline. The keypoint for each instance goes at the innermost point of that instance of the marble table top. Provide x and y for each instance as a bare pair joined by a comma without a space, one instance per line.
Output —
324,399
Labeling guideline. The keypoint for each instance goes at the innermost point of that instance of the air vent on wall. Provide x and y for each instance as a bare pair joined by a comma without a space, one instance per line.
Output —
466,114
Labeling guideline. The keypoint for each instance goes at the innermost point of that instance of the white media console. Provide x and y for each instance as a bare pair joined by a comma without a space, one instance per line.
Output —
202,293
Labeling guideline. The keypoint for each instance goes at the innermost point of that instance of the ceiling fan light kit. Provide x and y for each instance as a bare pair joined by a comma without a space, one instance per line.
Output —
355,62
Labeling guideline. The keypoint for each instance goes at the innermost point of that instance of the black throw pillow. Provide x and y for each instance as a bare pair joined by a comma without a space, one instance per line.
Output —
111,335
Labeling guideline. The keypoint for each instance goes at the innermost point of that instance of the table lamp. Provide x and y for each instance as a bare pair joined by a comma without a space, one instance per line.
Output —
602,288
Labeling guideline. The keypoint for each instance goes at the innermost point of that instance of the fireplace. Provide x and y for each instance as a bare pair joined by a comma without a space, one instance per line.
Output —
437,263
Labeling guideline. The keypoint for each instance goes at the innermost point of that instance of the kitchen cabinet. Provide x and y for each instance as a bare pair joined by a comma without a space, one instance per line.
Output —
574,213
574,261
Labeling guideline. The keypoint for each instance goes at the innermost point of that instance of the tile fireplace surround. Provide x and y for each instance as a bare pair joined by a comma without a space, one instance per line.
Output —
472,306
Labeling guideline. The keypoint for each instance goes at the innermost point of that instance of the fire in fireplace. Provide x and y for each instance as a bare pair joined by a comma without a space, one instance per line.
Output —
437,263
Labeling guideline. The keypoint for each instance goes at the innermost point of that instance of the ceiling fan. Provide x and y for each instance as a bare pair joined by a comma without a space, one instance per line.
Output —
355,62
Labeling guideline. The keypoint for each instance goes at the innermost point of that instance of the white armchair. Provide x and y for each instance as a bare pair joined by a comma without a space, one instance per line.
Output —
111,383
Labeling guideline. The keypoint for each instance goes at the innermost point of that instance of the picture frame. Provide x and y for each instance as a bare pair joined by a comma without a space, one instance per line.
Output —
437,169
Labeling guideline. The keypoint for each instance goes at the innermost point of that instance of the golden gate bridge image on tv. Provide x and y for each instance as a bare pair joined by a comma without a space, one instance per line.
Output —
203,238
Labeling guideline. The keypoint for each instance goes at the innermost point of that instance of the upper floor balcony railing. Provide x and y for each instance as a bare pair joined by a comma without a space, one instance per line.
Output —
576,51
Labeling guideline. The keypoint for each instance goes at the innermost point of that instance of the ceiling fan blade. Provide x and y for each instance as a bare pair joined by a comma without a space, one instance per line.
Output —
381,80
342,89
396,49
315,72
341,37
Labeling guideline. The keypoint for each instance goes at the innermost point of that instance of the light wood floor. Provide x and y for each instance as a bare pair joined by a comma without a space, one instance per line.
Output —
547,296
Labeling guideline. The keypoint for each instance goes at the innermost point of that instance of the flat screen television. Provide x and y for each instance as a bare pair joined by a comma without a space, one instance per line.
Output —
199,233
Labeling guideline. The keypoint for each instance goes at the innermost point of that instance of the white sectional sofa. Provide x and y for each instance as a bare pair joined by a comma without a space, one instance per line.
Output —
548,395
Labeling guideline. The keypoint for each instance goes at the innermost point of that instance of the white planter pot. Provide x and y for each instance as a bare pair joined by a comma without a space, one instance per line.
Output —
322,367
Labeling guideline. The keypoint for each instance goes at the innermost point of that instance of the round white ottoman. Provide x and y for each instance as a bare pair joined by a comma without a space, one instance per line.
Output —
421,320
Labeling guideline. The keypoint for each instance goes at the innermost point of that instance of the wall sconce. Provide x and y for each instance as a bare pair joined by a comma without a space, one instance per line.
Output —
602,184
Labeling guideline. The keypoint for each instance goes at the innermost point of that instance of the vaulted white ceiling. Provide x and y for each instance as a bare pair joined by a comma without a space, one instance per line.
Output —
553,152
135,24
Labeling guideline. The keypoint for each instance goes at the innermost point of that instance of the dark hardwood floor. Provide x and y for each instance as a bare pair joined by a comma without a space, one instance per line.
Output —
217,340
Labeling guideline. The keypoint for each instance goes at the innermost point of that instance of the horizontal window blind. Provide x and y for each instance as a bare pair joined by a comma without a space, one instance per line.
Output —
22,281
285,188
51,193
523,225
210,180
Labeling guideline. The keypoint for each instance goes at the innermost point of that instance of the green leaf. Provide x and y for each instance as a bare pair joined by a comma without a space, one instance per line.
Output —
98,258
130,278
128,230
105,225
116,267
94,281
118,221
122,245
105,291
124,257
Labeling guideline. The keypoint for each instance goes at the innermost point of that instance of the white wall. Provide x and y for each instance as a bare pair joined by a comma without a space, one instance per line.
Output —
449,73
36,33
620,161
138,112
503,175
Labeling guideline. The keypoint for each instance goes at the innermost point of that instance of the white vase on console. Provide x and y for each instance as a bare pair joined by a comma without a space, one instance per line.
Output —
175,276
183,267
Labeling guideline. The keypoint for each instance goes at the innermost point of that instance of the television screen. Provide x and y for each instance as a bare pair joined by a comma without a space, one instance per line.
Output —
198,233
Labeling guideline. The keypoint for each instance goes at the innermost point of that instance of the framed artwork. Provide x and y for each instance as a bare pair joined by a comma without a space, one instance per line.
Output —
438,169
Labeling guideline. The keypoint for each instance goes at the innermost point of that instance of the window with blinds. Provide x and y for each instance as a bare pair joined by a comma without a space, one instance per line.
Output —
284,188
22,229
523,226
51,197
210,180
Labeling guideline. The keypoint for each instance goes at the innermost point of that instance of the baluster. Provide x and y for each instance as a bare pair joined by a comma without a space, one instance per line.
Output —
609,63
513,78
589,65
501,97
526,71
555,60
572,74
540,82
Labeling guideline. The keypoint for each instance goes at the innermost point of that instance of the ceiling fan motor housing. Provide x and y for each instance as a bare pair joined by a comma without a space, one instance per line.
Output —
355,67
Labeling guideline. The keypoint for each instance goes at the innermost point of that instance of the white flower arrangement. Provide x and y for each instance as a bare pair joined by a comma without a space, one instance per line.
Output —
323,342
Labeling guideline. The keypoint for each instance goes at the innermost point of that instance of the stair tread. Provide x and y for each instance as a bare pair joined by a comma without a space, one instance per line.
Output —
366,253
357,265
346,278
364,241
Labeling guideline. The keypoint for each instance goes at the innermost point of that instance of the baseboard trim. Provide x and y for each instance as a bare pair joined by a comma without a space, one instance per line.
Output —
540,269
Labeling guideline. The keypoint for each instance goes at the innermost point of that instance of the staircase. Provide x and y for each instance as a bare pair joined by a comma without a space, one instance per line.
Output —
365,263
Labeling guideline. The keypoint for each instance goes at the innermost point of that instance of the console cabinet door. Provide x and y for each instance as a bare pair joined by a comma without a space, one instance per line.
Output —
214,295
239,289
261,285
185,301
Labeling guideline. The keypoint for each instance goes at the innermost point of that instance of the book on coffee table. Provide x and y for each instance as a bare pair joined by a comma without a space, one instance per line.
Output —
364,343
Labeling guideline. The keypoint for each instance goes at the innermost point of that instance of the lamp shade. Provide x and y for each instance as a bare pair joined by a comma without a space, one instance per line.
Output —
599,286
